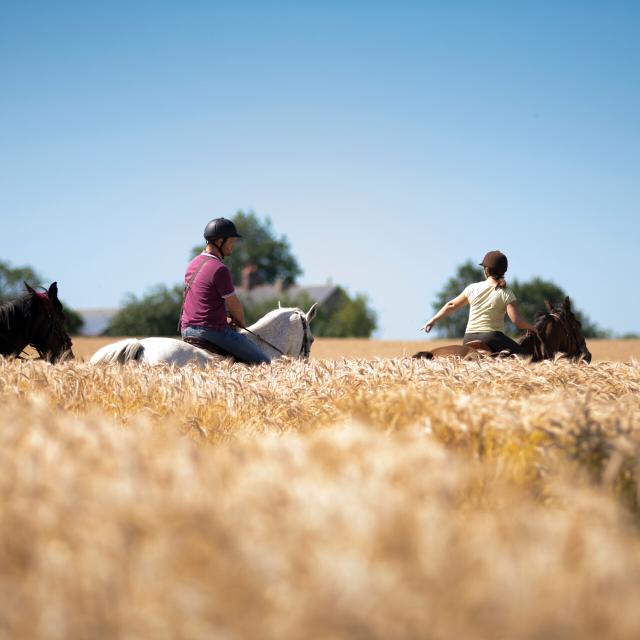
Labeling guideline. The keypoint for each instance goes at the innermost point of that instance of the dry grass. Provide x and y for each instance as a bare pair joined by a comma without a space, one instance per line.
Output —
330,499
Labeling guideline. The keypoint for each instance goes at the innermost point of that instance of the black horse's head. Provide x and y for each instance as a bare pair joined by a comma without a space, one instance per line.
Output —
47,333
559,331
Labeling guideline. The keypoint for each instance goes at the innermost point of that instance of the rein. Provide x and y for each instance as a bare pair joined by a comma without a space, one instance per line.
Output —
273,346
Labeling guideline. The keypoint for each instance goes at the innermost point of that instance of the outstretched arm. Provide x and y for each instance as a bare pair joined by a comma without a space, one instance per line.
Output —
450,307
514,315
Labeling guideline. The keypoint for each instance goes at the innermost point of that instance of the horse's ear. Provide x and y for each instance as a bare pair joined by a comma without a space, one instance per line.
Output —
29,289
311,314
53,291
567,304
548,305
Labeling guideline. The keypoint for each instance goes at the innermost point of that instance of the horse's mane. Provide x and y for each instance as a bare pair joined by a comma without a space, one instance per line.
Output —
13,309
541,320
272,315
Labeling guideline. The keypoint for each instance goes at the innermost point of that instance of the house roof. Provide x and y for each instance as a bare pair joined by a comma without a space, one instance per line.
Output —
95,320
318,293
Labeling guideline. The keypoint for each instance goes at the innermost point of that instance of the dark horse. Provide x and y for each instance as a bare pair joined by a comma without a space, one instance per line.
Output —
36,319
559,332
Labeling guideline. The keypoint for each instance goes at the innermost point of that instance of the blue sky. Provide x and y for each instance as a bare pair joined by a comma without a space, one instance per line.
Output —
389,141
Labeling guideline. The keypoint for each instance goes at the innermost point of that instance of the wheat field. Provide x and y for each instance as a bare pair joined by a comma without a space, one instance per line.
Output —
335,348
344,497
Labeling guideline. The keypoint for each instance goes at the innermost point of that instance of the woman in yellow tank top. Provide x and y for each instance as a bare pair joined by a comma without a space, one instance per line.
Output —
489,301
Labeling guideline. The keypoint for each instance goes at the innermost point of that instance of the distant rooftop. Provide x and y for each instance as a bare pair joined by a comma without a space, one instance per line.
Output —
96,321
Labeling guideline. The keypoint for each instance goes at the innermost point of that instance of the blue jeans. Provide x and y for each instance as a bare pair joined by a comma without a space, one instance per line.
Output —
239,346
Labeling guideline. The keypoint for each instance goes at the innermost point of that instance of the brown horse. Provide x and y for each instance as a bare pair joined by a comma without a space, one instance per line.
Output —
37,319
558,332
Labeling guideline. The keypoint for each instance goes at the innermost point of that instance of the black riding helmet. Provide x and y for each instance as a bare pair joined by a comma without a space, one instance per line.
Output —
220,229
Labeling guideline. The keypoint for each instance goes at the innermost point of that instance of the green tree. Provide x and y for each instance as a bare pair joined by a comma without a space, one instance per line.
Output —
73,320
12,281
154,314
259,246
345,316
531,297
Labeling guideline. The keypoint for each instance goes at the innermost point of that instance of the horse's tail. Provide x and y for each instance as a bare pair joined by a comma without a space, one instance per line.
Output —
130,350
427,355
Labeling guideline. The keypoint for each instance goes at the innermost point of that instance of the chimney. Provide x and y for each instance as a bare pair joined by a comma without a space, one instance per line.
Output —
250,277
278,286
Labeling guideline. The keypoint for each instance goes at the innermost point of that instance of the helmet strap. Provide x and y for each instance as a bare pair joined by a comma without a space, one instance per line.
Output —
221,248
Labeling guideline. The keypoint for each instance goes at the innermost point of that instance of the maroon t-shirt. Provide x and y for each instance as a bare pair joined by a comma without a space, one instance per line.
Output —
204,305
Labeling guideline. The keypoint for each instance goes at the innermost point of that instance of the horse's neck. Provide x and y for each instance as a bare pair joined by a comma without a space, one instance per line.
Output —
13,328
532,346
275,331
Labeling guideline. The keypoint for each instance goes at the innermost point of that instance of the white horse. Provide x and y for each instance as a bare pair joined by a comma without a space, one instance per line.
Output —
282,332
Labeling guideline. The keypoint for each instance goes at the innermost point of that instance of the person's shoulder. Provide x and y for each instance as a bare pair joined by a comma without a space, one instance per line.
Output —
473,289
508,294
211,263
220,269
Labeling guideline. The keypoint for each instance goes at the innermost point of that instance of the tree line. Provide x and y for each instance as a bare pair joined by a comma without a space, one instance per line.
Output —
272,260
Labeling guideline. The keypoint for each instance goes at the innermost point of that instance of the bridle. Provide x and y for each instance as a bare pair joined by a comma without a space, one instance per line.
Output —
54,327
573,343
51,325
541,350
305,347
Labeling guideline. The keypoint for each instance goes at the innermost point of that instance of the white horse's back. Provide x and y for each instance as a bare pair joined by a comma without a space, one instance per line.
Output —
121,352
152,351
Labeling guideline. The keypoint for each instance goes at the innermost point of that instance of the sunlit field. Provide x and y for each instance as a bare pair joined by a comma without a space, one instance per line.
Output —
364,496
335,348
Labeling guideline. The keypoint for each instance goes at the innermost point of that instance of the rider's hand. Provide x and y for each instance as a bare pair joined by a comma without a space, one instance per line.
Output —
427,326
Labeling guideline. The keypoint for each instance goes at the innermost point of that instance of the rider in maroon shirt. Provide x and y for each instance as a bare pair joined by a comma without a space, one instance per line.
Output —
209,295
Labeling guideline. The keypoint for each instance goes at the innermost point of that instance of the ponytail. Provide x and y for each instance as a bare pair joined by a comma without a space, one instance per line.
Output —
498,277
